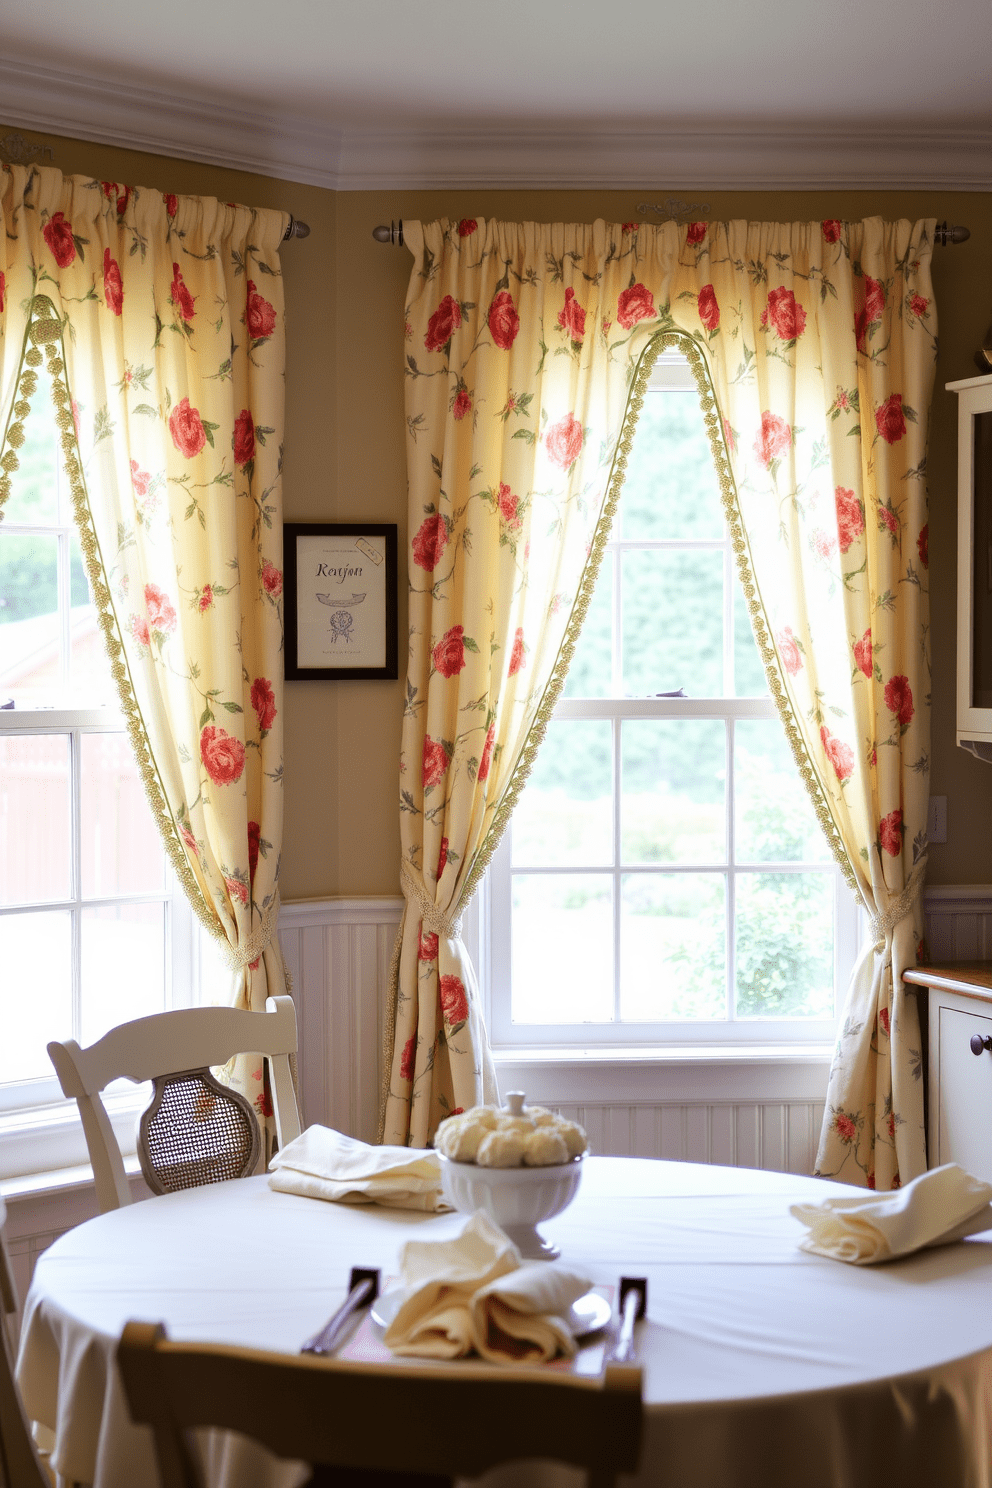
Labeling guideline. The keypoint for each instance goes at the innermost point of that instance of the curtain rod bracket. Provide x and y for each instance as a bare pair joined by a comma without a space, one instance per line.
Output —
945,233
391,234
296,229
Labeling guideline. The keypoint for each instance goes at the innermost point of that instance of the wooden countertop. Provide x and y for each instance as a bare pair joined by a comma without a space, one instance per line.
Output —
968,978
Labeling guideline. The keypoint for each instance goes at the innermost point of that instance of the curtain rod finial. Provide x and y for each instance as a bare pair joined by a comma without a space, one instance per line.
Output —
391,234
945,233
296,229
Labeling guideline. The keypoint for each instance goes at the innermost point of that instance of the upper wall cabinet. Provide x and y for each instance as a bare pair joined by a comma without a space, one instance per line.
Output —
974,649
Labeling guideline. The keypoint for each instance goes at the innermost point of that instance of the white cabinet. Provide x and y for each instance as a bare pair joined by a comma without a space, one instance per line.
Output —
960,1065
974,646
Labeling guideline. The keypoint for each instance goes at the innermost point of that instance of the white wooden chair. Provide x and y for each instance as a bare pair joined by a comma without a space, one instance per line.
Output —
195,1130
381,1425
20,1465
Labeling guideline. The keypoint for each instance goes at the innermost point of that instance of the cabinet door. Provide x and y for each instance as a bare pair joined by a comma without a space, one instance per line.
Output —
965,1115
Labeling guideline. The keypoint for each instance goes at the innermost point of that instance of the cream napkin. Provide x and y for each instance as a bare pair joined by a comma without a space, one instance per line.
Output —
472,1293
325,1164
940,1206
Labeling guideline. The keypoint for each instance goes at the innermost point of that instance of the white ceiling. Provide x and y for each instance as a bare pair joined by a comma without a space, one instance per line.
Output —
519,91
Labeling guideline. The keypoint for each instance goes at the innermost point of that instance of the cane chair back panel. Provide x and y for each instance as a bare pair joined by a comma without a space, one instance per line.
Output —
195,1131
187,1042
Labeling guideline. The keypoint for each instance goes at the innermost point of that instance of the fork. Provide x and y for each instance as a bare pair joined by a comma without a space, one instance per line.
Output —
363,1288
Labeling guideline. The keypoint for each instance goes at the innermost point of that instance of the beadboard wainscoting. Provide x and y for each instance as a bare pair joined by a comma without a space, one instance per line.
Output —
337,952
959,922
754,1108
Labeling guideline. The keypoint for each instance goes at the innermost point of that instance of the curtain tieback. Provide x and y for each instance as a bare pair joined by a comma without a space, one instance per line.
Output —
882,925
248,951
432,915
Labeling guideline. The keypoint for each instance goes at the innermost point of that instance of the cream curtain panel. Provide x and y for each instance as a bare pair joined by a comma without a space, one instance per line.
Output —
525,354
162,320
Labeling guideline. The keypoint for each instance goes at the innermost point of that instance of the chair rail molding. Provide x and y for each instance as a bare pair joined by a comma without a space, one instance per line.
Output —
737,155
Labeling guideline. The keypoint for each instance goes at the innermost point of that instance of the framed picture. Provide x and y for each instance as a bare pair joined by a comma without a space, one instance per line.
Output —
341,600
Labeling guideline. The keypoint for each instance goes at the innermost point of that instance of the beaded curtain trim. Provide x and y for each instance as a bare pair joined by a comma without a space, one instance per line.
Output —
45,329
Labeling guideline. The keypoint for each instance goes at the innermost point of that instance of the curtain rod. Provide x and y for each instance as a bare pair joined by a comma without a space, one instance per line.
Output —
944,233
296,229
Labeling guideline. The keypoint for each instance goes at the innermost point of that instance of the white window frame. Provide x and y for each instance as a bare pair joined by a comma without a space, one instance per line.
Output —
709,1038
39,1129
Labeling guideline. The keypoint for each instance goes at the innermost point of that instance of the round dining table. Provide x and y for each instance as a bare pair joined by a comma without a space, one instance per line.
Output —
763,1364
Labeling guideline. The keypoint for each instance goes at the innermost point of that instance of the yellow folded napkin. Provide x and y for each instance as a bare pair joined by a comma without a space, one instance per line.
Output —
325,1164
472,1293
523,1316
943,1205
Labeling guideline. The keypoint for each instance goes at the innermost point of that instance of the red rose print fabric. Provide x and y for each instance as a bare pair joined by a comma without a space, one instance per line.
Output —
186,428
504,322
523,344
170,358
60,239
113,288
244,437
182,300
260,315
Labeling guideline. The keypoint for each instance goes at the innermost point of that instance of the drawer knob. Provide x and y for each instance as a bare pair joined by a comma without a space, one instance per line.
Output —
979,1044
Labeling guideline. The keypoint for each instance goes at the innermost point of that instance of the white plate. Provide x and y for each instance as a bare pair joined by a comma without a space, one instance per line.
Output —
587,1315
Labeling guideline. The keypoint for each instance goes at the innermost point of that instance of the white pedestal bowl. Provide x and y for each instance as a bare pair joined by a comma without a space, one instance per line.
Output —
517,1199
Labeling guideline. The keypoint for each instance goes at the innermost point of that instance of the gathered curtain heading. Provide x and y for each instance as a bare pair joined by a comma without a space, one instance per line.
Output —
163,323
527,354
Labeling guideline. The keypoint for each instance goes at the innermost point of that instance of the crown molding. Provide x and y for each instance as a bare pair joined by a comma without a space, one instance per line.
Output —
685,155
134,118
728,158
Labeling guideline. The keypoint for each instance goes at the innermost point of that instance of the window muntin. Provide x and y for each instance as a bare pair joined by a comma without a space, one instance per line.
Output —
664,877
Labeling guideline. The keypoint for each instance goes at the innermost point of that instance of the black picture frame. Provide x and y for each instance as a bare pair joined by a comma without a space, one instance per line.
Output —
349,570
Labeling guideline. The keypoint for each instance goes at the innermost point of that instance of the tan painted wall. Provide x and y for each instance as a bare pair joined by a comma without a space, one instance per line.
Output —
345,458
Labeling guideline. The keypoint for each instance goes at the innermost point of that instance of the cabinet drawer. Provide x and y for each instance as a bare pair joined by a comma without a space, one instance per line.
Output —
964,1125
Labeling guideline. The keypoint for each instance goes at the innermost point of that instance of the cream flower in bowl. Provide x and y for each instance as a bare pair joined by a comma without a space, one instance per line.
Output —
520,1165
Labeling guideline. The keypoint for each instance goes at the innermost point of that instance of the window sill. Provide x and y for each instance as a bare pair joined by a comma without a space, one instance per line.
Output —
45,1141
57,1180
686,1075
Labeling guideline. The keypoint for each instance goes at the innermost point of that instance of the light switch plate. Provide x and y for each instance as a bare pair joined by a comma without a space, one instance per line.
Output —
937,819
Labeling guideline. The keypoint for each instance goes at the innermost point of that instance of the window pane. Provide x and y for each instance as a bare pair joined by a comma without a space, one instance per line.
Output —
671,489
749,671
565,815
35,992
34,486
123,966
785,935
775,818
30,638
672,616
121,848
35,840
591,672
673,947
562,948
89,674
672,804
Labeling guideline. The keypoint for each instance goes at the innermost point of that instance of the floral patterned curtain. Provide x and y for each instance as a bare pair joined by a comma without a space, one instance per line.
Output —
525,354
162,320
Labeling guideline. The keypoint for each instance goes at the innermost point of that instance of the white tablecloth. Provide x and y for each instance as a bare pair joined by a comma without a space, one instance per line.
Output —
763,1365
